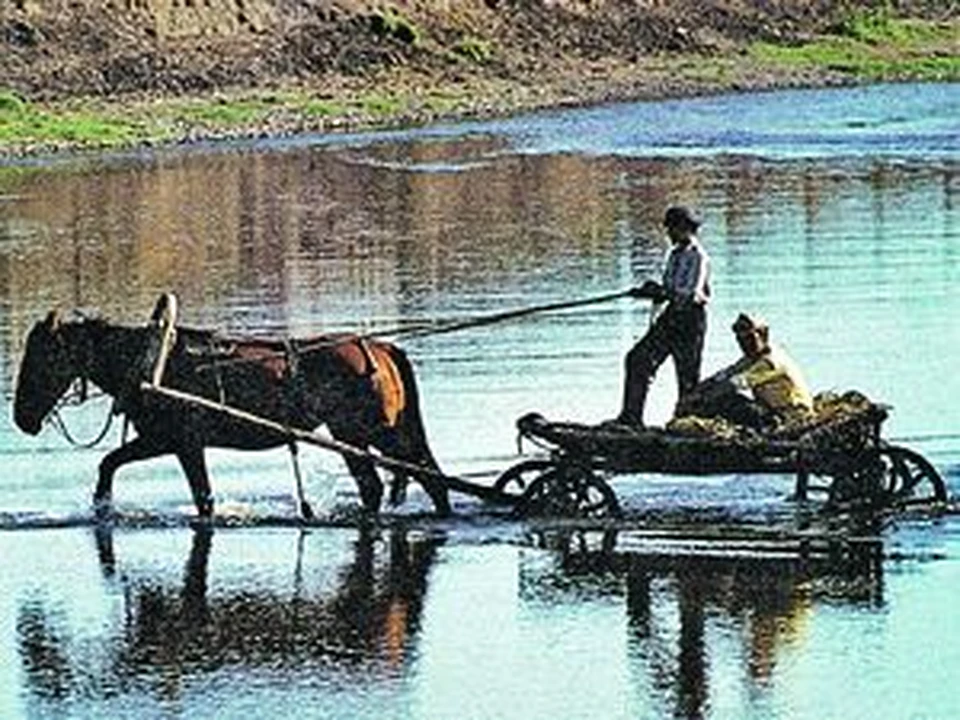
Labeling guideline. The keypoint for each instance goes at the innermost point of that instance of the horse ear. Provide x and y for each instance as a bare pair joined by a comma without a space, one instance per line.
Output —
54,318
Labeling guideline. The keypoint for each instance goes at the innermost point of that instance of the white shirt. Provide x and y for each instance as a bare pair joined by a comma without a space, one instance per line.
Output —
687,272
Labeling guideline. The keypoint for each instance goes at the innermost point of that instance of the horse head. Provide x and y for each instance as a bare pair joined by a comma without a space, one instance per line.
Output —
46,371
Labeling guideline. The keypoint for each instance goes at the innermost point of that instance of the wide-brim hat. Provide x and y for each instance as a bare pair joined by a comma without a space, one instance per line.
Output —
681,216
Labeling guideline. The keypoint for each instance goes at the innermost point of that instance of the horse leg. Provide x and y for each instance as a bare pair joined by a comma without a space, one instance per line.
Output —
140,448
368,481
398,488
438,493
408,446
195,467
305,510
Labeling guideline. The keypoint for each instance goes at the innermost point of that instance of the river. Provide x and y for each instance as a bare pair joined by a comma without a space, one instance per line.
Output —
833,214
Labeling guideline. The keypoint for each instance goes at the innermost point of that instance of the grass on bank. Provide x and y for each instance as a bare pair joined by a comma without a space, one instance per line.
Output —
23,123
90,123
868,45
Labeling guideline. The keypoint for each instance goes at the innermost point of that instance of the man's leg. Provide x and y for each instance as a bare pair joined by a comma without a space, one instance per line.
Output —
686,346
737,409
641,365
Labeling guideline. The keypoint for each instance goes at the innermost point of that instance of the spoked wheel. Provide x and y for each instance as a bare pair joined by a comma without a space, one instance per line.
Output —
891,475
522,475
571,491
909,477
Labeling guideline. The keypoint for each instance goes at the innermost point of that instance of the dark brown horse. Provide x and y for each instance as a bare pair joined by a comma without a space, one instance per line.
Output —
363,391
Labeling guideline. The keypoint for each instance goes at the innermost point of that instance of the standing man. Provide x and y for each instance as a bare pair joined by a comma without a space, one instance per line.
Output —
680,328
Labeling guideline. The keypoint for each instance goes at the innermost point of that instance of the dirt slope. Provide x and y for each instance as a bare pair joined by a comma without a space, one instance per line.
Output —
61,48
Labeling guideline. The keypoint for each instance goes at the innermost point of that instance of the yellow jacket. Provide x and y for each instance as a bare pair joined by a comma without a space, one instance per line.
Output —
774,379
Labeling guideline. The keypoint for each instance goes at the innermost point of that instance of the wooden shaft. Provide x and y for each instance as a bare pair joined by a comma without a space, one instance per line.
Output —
167,324
313,438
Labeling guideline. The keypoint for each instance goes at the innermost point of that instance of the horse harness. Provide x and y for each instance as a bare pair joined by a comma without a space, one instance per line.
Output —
215,354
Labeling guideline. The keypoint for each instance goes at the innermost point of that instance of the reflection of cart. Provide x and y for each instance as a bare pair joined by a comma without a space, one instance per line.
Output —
841,444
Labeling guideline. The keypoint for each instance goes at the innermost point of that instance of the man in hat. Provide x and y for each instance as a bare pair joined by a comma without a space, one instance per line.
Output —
679,329
760,390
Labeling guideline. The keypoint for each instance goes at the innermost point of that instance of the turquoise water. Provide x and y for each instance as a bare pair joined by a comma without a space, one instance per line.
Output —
834,214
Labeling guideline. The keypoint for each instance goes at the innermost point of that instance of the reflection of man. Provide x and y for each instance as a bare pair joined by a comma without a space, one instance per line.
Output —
679,330
761,389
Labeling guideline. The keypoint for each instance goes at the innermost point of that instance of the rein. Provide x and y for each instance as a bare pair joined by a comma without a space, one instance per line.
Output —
426,330
77,398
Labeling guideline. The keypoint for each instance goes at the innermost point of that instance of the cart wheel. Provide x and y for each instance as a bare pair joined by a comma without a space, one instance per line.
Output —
846,488
523,474
909,477
569,491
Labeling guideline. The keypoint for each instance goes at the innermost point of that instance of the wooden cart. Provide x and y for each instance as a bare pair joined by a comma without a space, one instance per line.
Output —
838,452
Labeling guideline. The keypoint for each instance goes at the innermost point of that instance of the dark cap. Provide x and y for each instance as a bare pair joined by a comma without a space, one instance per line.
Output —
748,323
679,215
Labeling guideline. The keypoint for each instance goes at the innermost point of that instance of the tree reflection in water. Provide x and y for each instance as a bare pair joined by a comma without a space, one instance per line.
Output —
364,626
764,595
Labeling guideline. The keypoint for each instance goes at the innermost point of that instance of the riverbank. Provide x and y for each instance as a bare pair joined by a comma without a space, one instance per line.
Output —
409,69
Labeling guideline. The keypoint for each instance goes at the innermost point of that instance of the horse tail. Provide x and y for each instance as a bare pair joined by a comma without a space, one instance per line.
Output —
412,436
410,423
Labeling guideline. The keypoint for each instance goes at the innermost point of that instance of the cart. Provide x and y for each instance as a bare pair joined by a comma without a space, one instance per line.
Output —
838,452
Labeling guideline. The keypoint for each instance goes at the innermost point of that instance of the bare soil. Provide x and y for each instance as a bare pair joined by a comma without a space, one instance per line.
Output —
502,54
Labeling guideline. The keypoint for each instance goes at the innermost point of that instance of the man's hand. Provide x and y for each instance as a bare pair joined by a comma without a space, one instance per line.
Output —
650,290
704,394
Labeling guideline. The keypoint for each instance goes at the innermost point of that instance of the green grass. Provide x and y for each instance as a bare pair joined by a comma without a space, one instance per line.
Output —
390,22
439,102
381,105
876,47
850,57
322,108
474,49
92,124
221,112
11,103
23,123
877,25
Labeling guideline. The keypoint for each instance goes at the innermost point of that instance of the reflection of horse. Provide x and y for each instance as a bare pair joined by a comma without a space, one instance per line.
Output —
363,390
364,623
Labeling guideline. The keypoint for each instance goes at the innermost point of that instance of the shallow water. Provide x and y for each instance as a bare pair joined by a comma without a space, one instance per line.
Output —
413,624
834,214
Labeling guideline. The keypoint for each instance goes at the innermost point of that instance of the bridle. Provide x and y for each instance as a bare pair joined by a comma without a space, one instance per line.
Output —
76,396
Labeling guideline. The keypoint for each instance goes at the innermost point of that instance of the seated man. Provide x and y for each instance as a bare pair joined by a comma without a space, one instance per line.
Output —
761,390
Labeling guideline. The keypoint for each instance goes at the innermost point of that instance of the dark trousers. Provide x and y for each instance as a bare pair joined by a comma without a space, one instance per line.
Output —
678,332
736,408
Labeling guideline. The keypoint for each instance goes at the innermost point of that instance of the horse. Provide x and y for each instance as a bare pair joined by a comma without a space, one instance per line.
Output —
363,390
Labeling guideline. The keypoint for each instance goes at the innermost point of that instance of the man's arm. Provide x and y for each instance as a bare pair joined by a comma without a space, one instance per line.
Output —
723,382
